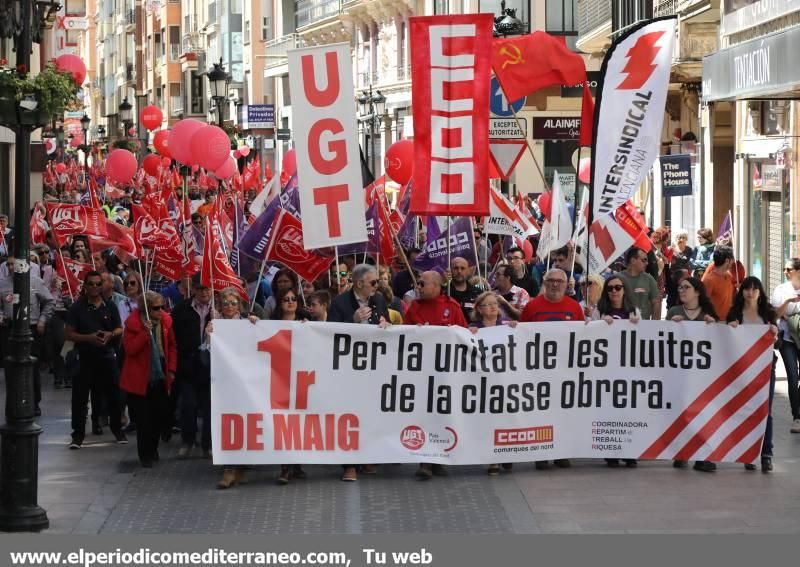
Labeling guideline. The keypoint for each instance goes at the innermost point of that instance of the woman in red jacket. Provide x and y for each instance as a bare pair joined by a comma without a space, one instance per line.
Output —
148,372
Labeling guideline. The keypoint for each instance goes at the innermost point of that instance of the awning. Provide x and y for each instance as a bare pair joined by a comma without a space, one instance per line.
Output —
762,68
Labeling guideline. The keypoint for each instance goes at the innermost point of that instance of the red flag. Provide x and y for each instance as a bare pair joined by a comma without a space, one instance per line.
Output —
286,246
532,62
633,223
38,225
587,117
73,275
68,220
168,262
216,271
147,231
120,238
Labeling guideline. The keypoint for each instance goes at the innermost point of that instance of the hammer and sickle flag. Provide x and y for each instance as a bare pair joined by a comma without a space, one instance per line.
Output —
531,62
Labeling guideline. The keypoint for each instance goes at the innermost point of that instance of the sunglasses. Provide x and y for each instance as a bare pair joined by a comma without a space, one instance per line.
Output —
616,287
230,303
131,283
787,270
373,283
555,282
289,300
94,284
343,274
156,307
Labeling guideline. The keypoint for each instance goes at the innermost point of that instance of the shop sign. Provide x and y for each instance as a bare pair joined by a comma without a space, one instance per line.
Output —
556,127
676,175
771,178
256,116
738,15
576,91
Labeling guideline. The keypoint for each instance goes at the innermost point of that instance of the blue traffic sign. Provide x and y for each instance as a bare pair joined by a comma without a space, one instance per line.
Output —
498,105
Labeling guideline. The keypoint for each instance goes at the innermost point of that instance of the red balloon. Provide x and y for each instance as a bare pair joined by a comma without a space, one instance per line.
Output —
69,63
527,249
399,161
75,142
166,162
210,146
180,138
226,170
131,131
61,168
289,164
151,117
161,142
237,154
544,204
245,151
121,165
585,170
151,164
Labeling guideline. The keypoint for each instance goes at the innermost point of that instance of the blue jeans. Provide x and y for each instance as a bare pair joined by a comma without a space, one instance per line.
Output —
766,447
195,400
790,359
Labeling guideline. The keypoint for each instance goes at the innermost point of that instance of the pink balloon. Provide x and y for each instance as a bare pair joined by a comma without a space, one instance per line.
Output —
121,165
289,164
237,154
399,161
61,167
75,142
585,170
544,204
210,146
180,138
161,142
69,63
245,151
226,170
151,117
131,131
151,164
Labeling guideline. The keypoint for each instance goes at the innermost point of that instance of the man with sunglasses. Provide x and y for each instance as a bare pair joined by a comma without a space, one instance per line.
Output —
361,304
93,324
643,286
522,275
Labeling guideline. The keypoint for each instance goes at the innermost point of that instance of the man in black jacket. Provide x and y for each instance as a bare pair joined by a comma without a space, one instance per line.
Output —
189,320
360,304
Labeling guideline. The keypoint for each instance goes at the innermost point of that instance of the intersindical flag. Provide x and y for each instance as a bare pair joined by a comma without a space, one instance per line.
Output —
630,105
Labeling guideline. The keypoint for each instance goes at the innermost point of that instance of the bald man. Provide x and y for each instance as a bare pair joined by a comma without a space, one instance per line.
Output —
460,289
433,308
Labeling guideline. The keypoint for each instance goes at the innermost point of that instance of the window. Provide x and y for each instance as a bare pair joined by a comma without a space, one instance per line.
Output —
174,43
441,7
560,19
401,51
198,92
265,25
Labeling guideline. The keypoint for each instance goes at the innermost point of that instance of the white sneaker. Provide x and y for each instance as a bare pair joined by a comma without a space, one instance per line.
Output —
795,426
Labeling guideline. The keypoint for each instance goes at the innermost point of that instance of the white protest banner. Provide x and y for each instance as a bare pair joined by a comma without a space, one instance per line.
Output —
291,392
326,142
505,219
630,112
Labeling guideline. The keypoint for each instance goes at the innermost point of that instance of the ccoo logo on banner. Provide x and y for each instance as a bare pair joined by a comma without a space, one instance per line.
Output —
630,112
652,390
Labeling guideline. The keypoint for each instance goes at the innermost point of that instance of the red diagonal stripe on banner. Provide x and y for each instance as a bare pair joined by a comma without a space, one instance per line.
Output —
751,454
724,414
707,395
741,431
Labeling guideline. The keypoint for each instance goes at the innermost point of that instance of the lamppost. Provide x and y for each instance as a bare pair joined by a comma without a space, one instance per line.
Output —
22,21
85,122
373,106
219,80
126,115
507,24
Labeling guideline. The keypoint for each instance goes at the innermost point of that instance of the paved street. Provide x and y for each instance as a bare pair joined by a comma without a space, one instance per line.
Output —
102,489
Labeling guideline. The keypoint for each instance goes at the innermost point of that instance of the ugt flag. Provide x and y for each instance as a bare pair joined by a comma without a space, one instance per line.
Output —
630,112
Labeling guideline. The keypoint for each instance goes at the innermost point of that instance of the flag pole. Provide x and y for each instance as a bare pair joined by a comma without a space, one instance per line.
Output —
338,276
575,242
144,291
396,239
475,248
258,283
449,279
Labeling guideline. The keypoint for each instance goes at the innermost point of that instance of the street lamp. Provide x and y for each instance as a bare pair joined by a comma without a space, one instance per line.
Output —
373,107
507,24
126,115
218,80
85,121
19,435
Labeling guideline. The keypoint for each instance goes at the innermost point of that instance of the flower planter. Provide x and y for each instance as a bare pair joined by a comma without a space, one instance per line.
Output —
12,115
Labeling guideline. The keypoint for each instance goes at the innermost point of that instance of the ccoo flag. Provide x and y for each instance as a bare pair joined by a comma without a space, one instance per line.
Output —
630,112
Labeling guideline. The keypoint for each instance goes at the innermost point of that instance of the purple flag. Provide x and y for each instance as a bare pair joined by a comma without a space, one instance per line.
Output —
407,235
405,202
725,234
371,245
462,245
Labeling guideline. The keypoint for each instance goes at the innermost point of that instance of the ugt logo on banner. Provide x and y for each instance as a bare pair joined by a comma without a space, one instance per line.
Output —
451,63
326,142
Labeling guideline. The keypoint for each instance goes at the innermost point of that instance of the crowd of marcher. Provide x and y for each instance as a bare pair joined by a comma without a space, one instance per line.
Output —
138,345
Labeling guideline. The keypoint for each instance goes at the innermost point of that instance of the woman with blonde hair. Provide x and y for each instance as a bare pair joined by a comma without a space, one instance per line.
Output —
230,307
